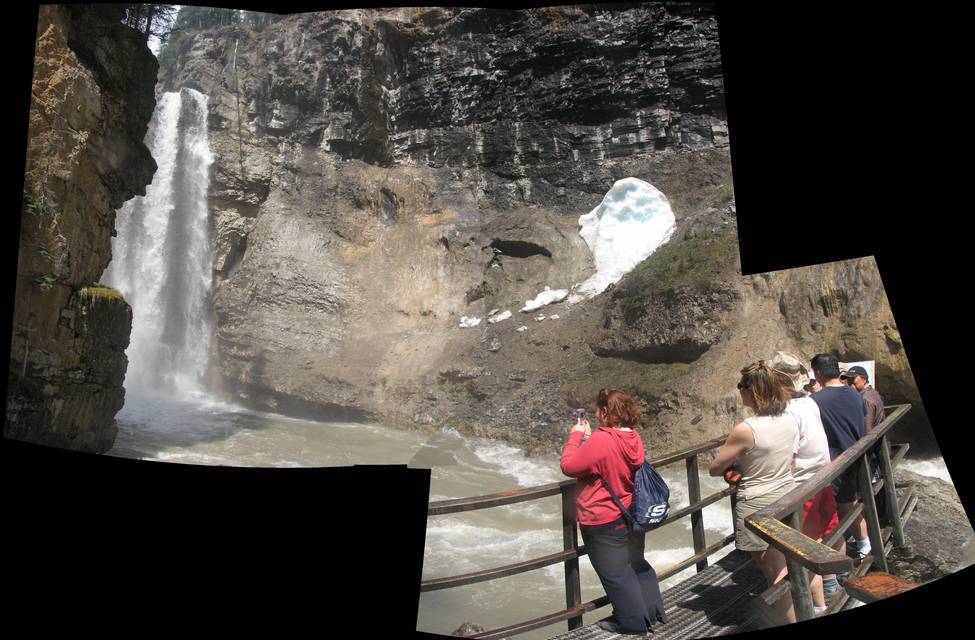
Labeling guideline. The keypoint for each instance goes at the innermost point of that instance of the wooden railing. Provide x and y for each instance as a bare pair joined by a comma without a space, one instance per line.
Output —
571,552
781,522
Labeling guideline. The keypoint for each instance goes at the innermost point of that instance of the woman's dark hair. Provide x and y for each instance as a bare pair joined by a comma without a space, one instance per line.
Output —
621,410
770,397
826,366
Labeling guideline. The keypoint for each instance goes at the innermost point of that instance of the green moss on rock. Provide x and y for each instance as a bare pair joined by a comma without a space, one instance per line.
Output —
696,262
648,381
99,291
723,194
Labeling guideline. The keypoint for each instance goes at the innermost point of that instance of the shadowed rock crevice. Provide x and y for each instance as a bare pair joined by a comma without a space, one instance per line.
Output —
234,257
682,350
519,248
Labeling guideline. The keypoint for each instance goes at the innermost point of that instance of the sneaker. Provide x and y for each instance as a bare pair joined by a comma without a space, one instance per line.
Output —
857,555
612,627
830,588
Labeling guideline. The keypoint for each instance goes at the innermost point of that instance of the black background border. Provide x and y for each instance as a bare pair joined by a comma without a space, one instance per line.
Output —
827,119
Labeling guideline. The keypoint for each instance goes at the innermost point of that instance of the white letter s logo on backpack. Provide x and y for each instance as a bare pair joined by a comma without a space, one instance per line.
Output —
657,511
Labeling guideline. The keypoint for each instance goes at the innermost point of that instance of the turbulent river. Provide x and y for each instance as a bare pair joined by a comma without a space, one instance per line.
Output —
201,431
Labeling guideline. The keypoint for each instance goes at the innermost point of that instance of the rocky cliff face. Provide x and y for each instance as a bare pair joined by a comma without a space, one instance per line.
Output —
710,321
381,174
92,99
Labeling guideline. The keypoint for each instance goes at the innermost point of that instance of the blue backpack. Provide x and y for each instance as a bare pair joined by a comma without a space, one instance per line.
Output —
651,499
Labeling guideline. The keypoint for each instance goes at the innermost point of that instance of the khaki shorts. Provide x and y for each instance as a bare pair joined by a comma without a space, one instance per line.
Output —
745,538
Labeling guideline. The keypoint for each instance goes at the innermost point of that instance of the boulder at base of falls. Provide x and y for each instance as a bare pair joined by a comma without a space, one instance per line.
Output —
69,390
939,535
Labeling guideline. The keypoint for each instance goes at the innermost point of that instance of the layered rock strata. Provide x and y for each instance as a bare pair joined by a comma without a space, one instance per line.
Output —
92,97
387,180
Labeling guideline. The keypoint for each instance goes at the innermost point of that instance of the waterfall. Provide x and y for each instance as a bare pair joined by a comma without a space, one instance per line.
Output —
163,253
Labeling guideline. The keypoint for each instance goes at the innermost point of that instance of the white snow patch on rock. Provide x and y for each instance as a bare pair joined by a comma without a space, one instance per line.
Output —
522,328
631,222
466,322
545,297
499,317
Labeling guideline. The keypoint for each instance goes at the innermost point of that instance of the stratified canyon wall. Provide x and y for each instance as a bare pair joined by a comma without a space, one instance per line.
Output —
91,100
382,174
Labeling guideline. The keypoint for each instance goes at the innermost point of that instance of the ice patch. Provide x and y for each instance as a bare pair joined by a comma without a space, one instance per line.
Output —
466,322
499,317
631,222
545,297
522,328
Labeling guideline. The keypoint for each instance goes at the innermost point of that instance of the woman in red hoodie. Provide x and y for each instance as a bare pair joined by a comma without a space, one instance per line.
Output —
613,451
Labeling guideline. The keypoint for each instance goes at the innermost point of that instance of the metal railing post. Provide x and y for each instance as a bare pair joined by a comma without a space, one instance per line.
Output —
799,578
870,513
890,491
570,541
697,518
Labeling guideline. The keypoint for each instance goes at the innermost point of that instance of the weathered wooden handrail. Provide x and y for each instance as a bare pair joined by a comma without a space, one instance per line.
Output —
501,572
803,553
459,505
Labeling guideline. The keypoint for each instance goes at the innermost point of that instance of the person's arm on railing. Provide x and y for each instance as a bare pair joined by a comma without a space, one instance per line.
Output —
739,441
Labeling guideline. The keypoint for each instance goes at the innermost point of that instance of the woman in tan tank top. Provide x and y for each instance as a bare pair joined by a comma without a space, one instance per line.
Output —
761,447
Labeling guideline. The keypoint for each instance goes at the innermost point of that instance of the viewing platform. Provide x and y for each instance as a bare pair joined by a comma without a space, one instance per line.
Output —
729,595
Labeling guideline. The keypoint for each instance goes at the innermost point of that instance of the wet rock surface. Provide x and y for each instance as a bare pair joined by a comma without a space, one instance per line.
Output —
940,536
92,98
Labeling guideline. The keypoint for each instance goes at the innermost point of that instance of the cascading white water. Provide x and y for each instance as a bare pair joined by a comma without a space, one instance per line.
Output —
163,254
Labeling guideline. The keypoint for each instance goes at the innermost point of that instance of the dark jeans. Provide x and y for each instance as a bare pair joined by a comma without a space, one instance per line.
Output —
626,576
845,486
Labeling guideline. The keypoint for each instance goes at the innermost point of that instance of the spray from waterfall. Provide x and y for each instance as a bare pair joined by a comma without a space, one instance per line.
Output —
163,254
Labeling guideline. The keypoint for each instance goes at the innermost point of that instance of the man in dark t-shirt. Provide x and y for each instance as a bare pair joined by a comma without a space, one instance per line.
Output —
842,411
841,408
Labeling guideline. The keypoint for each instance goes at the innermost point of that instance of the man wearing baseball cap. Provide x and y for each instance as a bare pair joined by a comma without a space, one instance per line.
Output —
873,405
860,379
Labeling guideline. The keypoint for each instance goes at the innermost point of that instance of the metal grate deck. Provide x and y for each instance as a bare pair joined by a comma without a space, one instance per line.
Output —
714,602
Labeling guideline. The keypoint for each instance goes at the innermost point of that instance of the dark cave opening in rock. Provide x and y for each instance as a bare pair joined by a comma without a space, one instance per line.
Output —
519,248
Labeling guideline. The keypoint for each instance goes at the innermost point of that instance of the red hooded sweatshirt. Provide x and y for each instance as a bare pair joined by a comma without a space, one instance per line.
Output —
608,453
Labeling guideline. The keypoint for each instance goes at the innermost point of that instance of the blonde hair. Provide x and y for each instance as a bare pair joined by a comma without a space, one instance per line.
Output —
771,397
